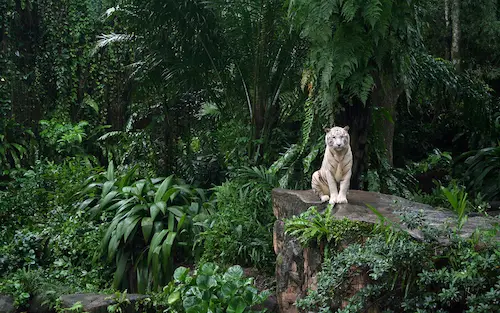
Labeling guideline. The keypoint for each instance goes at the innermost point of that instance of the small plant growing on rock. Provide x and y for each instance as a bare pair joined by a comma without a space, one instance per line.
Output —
315,226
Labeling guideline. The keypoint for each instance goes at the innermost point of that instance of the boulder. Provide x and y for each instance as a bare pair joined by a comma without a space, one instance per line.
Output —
91,302
98,303
297,266
6,304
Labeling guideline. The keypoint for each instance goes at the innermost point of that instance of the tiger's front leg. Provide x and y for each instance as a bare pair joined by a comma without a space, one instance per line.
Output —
332,186
344,187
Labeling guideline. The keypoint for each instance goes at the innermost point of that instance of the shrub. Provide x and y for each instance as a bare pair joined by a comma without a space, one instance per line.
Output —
16,143
151,224
44,242
33,193
240,230
312,226
63,137
482,171
209,290
404,275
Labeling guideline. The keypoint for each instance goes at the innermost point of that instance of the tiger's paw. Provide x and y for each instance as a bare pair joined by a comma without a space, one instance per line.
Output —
341,199
332,199
324,198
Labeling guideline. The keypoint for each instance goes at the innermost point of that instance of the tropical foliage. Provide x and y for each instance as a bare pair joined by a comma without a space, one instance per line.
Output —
198,109
407,276
210,290
151,222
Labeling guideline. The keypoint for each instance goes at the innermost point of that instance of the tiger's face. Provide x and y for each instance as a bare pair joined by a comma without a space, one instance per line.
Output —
337,138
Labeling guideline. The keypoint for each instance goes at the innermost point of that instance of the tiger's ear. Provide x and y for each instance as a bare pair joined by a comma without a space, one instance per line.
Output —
346,128
327,130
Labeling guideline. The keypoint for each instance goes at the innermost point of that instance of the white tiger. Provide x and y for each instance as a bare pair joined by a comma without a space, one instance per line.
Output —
336,167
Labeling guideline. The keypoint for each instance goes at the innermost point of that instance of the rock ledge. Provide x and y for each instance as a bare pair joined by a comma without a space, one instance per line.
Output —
296,266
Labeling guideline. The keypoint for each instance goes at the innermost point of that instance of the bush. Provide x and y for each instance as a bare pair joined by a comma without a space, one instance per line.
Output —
240,230
150,224
35,192
312,226
481,171
209,290
16,146
404,275
46,245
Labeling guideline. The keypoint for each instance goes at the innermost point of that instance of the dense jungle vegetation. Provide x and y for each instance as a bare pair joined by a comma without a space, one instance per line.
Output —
141,138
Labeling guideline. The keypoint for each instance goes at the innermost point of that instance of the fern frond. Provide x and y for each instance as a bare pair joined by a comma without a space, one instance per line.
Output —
372,12
107,39
308,122
349,9
311,156
285,159
111,134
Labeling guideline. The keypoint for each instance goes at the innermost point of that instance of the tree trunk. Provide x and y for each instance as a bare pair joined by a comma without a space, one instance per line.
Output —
385,97
447,24
358,117
455,27
259,97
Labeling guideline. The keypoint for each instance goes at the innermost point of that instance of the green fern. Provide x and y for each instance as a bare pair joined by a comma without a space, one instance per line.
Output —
349,9
372,12
308,123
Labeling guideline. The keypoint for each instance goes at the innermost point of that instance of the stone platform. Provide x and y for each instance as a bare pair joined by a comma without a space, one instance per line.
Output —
297,266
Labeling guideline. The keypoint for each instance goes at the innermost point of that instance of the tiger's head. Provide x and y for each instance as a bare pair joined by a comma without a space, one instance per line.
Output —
337,138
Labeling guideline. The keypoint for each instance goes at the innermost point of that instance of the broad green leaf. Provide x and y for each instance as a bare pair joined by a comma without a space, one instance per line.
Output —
190,302
114,242
120,269
233,273
171,222
139,187
107,199
85,204
180,274
250,294
19,148
155,242
126,179
130,224
228,289
158,226
236,305
194,208
177,210
208,269
107,236
153,211
89,187
127,189
155,266
163,188
163,206
122,205
180,223
138,209
173,297
142,276
147,228
110,173
170,194
195,291
166,249
183,188
206,281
